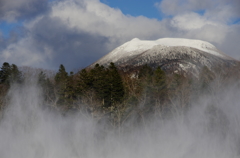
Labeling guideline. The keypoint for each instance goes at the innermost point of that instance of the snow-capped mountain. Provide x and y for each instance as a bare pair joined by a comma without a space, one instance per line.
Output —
171,54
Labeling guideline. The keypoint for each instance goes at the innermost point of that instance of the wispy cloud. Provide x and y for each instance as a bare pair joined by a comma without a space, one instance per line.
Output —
218,10
78,32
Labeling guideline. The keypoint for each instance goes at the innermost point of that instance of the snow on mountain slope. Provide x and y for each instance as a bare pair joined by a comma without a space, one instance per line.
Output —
198,44
171,54
136,47
137,44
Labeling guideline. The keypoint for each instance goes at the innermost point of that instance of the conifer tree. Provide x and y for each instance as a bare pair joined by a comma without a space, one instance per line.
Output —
81,86
100,83
84,82
116,88
146,79
106,83
145,73
5,73
61,80
10,74
70,95
61,76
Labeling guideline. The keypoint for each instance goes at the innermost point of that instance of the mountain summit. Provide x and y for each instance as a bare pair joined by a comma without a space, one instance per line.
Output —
171,54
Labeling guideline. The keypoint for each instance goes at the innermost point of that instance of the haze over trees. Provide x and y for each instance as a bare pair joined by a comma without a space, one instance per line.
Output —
115,95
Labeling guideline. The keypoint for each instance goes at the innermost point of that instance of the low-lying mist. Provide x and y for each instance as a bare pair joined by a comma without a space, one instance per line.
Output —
209,129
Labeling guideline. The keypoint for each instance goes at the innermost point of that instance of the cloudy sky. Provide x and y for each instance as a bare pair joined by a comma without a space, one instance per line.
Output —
75,33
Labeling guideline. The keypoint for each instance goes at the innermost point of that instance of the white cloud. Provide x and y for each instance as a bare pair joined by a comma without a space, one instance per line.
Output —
25,52
210,20
97,18
193,25
217,10
230,44
88,21
191,21
78,32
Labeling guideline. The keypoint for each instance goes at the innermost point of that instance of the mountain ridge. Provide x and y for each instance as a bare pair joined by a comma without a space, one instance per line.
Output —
175,54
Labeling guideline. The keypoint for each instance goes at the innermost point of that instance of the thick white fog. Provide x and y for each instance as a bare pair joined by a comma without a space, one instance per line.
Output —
210,129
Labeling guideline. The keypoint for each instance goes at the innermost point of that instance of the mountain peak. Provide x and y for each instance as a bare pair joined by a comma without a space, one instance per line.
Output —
135,39
170,53
136,44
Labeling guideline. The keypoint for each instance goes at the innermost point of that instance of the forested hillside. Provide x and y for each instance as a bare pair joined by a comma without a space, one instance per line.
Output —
114,95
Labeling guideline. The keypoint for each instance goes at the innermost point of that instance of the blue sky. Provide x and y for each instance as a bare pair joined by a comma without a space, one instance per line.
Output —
136,7
7,27
75,33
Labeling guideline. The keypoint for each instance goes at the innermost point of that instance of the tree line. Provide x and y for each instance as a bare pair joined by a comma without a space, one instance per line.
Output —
108,92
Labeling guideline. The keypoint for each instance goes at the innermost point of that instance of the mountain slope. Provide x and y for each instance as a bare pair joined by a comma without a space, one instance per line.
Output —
171,54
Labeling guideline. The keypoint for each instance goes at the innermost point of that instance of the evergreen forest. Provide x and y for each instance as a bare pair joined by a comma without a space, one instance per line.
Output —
114,95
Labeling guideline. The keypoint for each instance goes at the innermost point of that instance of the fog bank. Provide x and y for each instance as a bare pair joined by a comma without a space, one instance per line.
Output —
209,129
